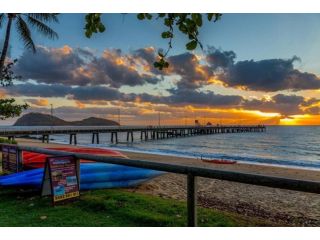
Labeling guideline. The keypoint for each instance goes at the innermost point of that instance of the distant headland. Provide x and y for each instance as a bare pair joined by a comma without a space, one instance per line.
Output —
40,119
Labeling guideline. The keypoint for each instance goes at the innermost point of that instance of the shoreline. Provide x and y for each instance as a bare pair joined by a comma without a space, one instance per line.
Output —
147,152
298,173
188,156
278,206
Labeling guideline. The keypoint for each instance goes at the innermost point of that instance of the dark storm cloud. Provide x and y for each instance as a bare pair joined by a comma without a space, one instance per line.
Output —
147,54
268,75
39,90
220,59
101,93
79,67
59,90
51,65
209,98
95,93
110,70
187,66
283,104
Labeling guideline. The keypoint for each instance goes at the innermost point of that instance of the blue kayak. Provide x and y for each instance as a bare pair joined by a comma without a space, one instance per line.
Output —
92,176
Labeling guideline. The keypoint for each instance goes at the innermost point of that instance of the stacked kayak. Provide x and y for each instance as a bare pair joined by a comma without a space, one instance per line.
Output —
33,160
93,175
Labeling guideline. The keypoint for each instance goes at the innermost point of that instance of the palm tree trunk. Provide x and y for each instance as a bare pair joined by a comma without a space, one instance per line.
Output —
5,44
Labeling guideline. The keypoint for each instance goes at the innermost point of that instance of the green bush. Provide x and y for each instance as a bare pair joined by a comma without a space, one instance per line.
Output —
4,140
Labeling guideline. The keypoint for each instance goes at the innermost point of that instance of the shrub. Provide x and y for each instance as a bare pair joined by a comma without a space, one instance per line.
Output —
4,140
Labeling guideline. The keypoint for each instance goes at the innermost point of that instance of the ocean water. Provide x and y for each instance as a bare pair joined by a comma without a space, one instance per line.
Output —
294,146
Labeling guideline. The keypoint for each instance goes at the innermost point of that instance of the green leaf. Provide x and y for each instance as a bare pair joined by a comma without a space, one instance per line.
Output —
140,16
168,22
199,20
148,16
167,34
191,45
210,16
217,16
183,28
101,28
88,34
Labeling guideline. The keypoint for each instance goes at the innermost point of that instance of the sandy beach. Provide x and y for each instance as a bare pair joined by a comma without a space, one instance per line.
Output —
275,206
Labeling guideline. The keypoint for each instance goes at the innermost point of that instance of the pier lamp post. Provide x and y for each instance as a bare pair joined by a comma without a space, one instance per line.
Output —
159,119
51,113
119,116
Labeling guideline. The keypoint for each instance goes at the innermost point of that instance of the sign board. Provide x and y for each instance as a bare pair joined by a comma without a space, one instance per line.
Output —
61,178
11,159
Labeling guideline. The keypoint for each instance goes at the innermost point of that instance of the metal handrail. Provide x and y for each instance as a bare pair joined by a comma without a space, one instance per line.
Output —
192,173
87,129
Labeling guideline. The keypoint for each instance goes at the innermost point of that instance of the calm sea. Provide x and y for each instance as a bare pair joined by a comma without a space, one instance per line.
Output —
297,146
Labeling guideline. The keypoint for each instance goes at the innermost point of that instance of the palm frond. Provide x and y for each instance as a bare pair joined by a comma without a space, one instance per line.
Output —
44,17
25,33
42,28
1,19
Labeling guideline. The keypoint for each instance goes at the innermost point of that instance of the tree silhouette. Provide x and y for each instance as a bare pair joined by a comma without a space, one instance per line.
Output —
23,22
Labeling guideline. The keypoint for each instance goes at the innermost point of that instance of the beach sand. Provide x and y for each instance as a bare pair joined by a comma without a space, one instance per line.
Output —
276,206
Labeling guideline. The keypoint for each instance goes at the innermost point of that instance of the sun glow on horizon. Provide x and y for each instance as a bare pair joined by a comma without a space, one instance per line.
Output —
287,121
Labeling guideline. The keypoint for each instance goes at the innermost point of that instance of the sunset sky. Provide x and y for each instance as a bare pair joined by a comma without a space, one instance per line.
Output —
254,69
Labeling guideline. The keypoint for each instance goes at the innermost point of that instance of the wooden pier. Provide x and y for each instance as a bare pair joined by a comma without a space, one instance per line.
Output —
146,132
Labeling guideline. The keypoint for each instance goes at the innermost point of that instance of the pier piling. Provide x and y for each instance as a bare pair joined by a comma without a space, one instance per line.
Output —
95,136
45,138
73,138
146,132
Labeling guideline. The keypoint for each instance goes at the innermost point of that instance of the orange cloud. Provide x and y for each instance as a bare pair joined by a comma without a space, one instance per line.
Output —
305,119
2,93
41,102
80,104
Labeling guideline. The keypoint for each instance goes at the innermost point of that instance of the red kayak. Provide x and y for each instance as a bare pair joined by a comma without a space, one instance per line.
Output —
219,161
33,160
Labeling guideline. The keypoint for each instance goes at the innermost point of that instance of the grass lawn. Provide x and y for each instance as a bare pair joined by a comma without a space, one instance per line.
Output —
114,207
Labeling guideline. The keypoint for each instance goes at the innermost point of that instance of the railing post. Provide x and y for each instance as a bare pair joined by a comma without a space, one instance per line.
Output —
192,200
20,160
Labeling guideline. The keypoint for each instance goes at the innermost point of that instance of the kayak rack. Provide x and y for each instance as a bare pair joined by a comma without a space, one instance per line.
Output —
192,173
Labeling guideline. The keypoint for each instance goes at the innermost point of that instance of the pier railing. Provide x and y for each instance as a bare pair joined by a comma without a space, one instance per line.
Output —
192,173
146,132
